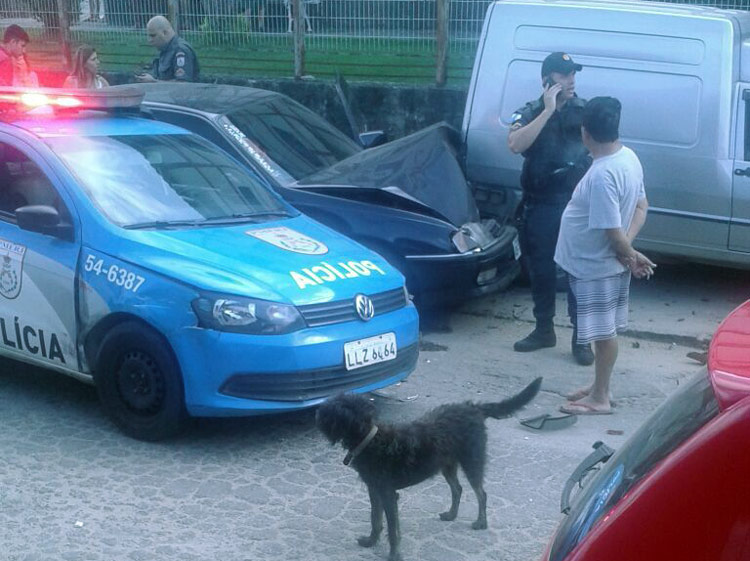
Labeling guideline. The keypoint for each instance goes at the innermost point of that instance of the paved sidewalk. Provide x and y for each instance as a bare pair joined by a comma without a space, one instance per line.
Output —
268,489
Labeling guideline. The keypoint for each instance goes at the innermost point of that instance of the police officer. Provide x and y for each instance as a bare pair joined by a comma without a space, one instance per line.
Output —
176,61
547,132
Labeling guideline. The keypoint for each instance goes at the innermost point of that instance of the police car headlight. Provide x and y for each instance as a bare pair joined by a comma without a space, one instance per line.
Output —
464,241
246,315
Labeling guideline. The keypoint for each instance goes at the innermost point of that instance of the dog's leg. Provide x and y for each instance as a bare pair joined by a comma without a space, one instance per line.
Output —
390,505
451,476
472,462
475,478
376,519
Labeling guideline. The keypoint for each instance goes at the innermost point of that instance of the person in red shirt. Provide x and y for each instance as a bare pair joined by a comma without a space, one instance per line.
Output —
14,66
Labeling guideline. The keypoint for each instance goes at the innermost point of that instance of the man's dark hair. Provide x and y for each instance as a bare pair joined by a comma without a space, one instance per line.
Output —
601,118
15,32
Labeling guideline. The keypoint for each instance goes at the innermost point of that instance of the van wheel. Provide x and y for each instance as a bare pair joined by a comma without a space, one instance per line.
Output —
139,383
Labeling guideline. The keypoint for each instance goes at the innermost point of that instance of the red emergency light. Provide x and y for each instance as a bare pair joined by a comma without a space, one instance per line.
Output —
23,100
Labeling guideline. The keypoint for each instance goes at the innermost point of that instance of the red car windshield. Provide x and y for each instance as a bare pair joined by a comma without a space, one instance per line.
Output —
678,418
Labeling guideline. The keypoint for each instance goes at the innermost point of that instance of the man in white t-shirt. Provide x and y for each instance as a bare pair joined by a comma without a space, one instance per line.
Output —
607,210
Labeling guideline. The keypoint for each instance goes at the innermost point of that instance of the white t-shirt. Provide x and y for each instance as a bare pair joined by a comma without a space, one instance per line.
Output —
605,198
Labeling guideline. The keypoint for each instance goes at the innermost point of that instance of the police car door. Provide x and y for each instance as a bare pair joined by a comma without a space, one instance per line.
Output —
37,271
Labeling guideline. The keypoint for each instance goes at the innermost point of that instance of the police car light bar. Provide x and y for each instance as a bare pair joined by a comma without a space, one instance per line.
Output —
23,99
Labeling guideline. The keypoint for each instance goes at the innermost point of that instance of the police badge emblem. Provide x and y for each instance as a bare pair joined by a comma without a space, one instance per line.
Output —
288,239
11,268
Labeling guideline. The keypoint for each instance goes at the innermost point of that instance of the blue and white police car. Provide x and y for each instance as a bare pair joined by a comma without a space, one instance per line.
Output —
138,256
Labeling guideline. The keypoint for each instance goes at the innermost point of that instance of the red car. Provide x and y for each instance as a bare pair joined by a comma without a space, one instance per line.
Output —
679,489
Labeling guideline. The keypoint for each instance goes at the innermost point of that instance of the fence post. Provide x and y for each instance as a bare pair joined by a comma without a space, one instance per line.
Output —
299,38
62,12
441,36
173,13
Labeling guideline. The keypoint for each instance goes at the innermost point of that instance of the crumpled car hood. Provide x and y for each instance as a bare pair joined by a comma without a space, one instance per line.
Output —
423,164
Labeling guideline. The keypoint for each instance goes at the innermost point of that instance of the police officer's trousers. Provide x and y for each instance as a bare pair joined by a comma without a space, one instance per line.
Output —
540,228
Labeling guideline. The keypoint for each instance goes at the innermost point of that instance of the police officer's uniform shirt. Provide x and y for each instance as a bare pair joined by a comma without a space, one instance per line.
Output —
557,159
176,61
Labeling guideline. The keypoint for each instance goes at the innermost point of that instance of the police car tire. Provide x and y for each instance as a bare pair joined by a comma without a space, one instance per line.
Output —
132,346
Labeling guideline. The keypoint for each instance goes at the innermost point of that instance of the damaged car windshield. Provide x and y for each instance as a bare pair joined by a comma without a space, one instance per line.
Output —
294,137
165,180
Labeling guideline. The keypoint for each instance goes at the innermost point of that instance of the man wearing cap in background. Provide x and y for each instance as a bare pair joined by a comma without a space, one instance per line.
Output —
177,60
547,132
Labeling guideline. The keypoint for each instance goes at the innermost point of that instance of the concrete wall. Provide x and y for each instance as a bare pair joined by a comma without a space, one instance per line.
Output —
398,110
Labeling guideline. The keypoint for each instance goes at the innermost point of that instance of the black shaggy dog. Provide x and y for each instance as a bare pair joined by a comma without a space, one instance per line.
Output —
390,457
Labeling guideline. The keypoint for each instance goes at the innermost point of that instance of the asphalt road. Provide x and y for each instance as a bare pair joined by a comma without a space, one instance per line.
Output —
73,488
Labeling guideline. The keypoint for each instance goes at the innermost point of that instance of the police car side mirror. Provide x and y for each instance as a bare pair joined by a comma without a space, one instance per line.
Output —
372,138
43,219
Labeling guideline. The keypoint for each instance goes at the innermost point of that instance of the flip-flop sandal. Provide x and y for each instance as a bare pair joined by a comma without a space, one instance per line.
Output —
582,409
549,421
580,394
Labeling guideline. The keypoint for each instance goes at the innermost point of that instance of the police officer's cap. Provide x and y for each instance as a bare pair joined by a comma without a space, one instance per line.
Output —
559,62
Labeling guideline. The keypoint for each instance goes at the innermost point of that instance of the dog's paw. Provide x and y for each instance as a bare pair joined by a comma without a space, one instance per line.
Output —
479,524
367,541
447,516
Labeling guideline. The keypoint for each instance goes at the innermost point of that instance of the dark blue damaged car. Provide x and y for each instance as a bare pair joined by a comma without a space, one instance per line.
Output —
407,199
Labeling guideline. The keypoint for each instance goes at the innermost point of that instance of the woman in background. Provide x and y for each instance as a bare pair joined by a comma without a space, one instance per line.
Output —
85,73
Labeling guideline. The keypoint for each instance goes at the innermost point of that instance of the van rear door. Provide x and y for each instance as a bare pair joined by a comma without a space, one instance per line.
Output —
739,225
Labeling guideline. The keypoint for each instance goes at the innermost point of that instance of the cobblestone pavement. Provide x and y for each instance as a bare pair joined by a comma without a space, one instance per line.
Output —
73,488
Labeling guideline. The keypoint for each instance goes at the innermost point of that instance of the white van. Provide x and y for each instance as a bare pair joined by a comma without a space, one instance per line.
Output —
682,74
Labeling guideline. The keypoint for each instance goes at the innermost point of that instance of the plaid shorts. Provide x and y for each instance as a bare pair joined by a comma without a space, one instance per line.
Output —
602,306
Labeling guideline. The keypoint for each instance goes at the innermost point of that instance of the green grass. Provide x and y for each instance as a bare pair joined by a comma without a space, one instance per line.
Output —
397,61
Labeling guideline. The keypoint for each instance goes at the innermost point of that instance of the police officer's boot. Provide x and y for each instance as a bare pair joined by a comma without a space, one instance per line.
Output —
542,337
582,353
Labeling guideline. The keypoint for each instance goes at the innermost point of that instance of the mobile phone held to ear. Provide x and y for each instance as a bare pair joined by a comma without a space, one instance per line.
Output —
549,82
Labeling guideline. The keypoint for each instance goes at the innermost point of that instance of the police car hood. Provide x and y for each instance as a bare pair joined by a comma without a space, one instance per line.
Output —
423,164
296,261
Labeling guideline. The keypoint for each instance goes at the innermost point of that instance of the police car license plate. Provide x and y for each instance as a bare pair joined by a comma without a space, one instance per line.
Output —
516,248
372,350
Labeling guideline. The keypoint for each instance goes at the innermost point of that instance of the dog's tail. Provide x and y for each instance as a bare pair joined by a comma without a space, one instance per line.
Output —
504,408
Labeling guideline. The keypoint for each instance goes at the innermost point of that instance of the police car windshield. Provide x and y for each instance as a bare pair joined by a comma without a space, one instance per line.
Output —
294,137
169,180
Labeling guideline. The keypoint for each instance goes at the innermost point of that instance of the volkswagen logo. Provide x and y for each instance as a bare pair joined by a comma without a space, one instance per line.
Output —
364,307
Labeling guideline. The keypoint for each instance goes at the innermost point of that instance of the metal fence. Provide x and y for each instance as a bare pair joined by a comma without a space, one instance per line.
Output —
244,22
255,36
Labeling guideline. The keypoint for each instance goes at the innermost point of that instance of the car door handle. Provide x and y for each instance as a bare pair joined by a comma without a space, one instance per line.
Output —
745,172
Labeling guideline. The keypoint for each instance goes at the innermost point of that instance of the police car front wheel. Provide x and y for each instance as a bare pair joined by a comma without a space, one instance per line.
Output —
139,383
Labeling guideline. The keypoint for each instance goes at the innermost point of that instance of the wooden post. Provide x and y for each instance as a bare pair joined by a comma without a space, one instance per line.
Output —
441,36
173,14
299,38
62,12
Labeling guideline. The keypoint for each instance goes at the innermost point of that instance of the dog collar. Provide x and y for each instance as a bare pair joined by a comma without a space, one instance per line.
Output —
361,446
